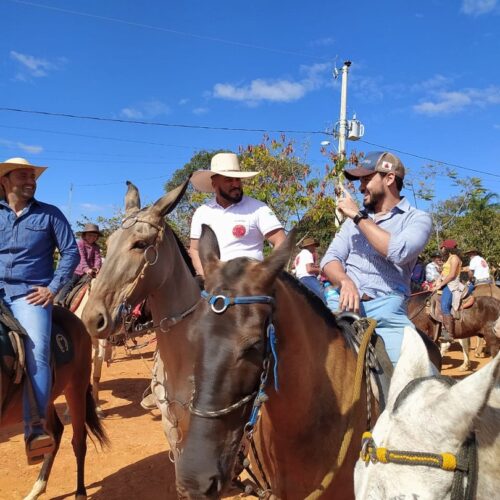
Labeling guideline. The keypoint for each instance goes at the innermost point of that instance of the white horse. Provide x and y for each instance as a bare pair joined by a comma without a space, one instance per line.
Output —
422,444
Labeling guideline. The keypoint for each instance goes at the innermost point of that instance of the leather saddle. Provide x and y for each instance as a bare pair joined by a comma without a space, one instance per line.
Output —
433,306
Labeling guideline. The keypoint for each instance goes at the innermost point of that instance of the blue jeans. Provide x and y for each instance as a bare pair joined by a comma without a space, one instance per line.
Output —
314,285
37,321
391,314
446,300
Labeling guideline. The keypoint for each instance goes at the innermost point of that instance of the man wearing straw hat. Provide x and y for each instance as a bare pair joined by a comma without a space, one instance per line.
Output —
30,232
90,260
307,268
240,223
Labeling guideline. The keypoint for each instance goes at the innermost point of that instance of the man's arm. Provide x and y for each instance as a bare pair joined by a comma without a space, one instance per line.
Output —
313,268
276,237
349,294
195,257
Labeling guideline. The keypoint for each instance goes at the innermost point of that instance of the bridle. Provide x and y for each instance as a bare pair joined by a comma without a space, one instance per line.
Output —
225,302
125,308
462,464
219,304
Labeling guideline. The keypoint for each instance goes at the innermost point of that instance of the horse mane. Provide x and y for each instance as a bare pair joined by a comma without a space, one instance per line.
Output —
314,301
184,253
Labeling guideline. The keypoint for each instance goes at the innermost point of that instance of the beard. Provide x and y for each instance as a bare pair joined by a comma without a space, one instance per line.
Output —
234,195
375,199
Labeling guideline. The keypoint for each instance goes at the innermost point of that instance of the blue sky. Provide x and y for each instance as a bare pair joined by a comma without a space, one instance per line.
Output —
425,80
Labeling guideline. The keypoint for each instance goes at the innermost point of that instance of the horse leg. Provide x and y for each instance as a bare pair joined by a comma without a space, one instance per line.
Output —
465,344
56,428
76,397
479,351
98,351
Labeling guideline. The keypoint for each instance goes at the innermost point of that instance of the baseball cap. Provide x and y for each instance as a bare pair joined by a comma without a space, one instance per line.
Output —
449,244
376,161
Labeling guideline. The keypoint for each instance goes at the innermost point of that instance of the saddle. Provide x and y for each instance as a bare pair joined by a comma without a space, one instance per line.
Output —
433,306
75,296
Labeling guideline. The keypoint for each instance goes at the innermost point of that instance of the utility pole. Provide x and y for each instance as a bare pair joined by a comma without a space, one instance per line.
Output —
343,125
70,201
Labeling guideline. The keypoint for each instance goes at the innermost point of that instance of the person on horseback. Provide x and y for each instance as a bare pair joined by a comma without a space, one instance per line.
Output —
372,256
478,269
30,232
433,269
241,223
90,260
449,283
306,267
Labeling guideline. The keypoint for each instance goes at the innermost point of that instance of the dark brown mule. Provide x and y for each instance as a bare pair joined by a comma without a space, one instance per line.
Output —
73,379
145,259
302,426
480,319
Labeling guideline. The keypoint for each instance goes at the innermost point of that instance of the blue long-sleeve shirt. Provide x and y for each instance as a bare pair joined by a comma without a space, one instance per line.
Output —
372,273
27,245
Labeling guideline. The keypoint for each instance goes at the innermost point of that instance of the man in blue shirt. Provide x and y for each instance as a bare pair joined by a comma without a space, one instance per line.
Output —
372,256
30,231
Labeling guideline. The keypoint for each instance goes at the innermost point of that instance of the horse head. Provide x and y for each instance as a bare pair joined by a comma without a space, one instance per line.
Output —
230,331
434,419
143,253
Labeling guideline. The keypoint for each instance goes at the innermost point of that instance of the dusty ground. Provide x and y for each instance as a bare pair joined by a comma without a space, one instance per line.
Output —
137,464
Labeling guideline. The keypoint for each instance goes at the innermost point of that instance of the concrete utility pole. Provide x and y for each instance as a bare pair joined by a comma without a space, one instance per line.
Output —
343,125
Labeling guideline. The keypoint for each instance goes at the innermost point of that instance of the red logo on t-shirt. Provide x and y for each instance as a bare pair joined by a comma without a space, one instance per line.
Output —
239,231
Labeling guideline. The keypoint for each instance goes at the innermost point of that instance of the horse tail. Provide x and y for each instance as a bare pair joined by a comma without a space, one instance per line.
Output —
92,421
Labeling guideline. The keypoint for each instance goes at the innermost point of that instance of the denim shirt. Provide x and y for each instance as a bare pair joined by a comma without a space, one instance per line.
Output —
27,245
372,273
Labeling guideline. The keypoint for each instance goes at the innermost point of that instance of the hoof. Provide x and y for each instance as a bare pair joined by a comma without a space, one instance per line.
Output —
464,368
100,414
81,497
479,354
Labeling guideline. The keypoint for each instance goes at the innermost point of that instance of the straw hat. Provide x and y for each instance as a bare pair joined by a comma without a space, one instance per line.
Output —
91,228
17,164
225,164
309,242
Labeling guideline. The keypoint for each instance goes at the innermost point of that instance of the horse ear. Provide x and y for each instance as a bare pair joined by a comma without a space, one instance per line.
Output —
413,363
208,249
132,199
168,202
463,402
273,264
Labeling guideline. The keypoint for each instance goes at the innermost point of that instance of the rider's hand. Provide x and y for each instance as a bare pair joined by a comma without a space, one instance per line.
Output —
349,296
346,204
40,296
90,272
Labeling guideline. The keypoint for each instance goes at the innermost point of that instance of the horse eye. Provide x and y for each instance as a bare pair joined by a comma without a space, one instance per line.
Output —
252,349
140,244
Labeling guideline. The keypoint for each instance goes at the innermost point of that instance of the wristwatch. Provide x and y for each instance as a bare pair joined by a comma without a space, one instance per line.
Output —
362,214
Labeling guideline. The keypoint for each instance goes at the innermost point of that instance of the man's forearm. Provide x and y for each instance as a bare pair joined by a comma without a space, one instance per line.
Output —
377,237
335,273
195,259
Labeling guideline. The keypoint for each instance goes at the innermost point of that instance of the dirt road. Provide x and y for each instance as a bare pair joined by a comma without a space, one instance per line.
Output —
137,464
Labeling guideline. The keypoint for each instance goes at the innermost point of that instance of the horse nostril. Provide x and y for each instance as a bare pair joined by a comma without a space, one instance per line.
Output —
214,489
101,322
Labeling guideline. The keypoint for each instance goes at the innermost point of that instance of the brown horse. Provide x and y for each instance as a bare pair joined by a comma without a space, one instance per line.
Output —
73,379
305,425
145,259
479,320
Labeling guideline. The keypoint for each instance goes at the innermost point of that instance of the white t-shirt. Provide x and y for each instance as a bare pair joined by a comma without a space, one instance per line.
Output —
480,268
240,228
303,258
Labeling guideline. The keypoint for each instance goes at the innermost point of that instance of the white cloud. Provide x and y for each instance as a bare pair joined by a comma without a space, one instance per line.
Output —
27,148
200,111
92,207
184,101
478,7
326,41
497,126
145,110
447,102
31,66
274,90
435,82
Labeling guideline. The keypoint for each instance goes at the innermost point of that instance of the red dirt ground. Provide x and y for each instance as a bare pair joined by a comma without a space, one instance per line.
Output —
137,464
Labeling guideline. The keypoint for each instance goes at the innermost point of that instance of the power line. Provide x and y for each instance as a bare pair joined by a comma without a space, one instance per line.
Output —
236,129
454,165
168,30
160,124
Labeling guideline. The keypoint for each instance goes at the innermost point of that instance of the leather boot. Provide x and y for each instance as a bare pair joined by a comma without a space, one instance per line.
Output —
449,324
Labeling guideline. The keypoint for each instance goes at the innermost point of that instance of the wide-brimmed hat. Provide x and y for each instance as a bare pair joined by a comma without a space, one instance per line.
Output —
449,244
309,242
91,228
472,250
377,161
225,164
435,255
18,163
